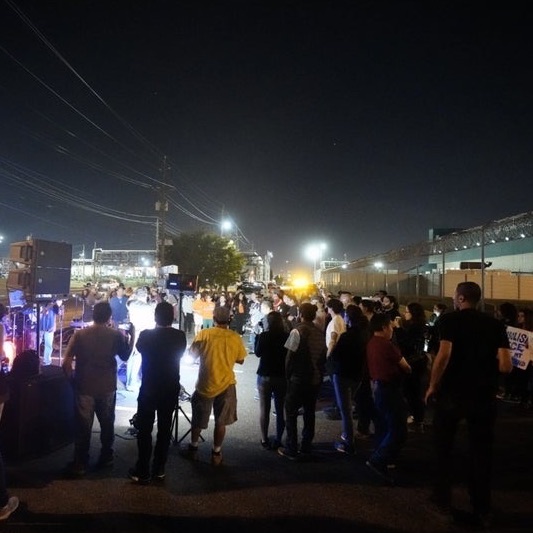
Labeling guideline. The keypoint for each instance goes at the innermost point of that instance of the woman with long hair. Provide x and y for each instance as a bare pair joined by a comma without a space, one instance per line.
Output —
239,312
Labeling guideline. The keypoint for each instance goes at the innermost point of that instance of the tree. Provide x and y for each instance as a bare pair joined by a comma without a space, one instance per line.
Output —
279,280
214,259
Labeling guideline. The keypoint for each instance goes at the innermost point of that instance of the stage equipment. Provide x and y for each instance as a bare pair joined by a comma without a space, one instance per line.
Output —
60,315
182,282
16,299
183,396
41,269
39,417
23,329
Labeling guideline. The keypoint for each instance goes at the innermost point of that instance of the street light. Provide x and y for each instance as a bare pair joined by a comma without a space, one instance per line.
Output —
314,253
225,226
379,266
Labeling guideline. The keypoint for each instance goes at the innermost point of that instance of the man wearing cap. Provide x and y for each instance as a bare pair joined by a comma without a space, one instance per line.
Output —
218,349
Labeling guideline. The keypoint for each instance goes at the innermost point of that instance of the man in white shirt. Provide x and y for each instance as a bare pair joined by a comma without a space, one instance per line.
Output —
336,325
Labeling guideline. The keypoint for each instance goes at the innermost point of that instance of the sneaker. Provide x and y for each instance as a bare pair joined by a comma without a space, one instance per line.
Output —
285,452
416,427
216,458
343,447
306,448
75,469
159,475
141,479
382,471
265,444
191,452
105,461
275,444
9,507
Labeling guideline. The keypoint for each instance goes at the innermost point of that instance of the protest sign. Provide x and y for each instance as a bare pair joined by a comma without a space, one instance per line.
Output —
521,343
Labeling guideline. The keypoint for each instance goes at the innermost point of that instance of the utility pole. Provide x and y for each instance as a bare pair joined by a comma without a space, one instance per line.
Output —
161,208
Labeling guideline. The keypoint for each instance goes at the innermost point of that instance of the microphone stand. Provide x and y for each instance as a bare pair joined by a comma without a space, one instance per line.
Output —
60,313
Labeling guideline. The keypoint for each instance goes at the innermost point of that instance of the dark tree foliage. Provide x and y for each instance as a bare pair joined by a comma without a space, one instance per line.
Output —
214,259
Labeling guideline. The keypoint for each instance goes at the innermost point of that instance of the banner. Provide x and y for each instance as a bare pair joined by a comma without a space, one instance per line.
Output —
521,342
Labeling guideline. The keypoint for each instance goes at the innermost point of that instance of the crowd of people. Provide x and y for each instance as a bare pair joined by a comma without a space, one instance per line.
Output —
384,366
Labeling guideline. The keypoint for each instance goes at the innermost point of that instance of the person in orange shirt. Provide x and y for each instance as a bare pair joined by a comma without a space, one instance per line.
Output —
208,306
197,306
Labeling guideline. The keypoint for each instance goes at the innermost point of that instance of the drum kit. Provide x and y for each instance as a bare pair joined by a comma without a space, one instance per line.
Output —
20,327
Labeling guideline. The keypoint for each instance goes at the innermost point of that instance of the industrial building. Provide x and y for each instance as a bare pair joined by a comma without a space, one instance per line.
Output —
497,255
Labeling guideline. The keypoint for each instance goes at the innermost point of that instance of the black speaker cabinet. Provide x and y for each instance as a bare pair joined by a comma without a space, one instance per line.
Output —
40,283
54,281
39,416
43,268
38,253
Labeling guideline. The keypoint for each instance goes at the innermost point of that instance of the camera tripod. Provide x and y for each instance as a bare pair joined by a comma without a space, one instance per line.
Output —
183,396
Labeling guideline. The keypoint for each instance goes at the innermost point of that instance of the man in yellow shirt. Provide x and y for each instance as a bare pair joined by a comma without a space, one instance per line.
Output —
218,349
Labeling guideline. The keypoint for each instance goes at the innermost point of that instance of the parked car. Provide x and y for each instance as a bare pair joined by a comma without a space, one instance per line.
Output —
248,287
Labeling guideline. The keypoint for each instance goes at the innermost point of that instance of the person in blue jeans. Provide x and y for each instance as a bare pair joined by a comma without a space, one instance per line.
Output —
387,367
271,380
346,365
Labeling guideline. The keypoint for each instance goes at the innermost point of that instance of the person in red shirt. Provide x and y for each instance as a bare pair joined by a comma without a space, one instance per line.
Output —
386,367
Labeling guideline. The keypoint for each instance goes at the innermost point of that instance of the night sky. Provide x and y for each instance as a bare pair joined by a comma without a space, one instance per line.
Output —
360,124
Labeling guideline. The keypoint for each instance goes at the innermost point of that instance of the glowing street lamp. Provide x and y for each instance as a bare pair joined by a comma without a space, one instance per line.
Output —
225,226
314,253
380,266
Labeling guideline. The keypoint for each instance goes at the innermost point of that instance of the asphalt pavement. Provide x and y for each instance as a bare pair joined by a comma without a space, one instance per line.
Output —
257,490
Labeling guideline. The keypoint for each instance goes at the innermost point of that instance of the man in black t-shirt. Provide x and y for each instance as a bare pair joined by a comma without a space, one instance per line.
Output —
473,348
161,349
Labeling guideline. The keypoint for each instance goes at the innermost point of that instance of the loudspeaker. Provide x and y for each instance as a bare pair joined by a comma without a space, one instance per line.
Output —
39,416
37,253
43,268
40,283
